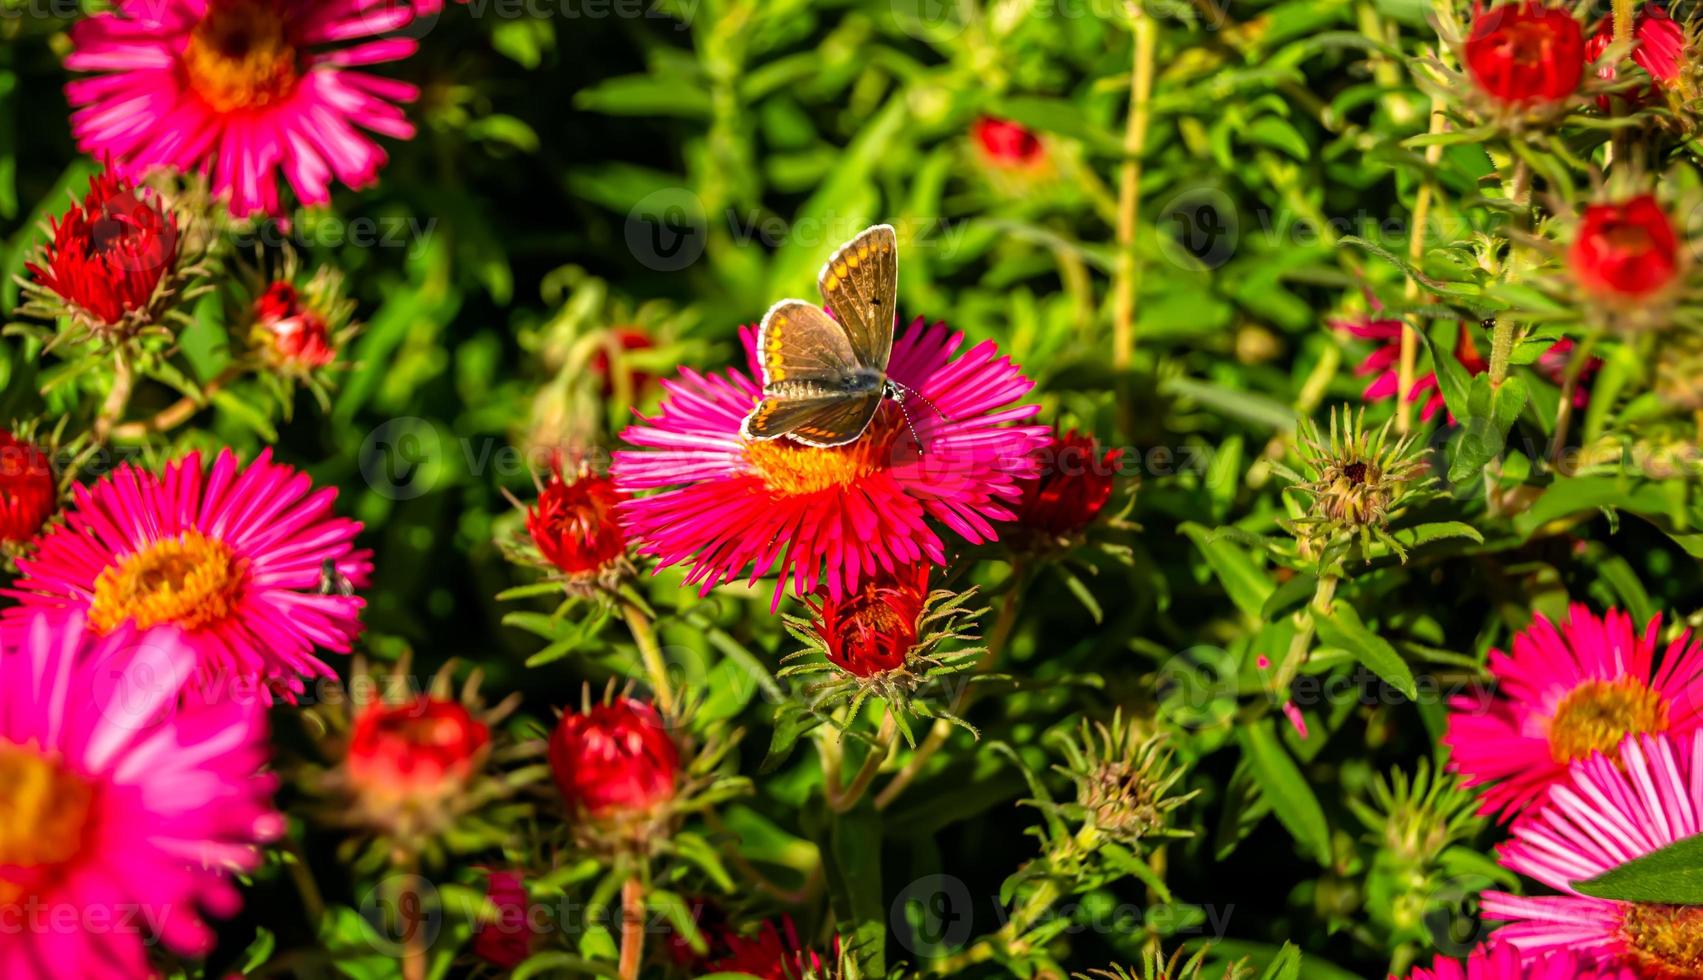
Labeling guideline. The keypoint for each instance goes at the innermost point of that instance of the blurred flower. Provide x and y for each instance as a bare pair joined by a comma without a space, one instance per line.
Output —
116,797
1526,55
575,527
1385,362
772,954
830,516
418,774
1501,961
416,752
1625,250
242,89
1566,694
232,557
1004,143
1679,370
1556,361
1609,810
287,332
27,490
1355,481
111,257
875,628
609,369
1073,485
509,939
614,762
1658,48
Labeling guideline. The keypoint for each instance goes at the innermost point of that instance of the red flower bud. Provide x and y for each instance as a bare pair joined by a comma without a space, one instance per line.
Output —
1073,486
27,493
574,524
415,750
1660,44
291,332
1526,55
1008,144
872,630
1627,250
110,251
508,940
614,759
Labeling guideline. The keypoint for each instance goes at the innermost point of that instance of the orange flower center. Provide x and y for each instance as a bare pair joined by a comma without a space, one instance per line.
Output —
1664,942
190,581
1597,715
44,810
240,56
793,469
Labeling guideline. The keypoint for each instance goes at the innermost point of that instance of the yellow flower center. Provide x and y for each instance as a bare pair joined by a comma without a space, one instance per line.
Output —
44,810
1664,942
792,469
1597,715
190,581
240,56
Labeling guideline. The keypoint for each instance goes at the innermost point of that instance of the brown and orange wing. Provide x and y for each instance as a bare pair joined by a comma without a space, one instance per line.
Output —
797,341
829,420
860,284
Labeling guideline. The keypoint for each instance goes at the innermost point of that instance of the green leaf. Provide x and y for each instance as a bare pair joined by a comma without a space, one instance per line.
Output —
1284,786
1413,537
1252,408
1491,413
1671,876
1343,628
1246,583
1286,965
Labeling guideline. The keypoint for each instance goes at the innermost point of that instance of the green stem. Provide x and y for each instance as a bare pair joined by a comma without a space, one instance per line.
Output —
840,801
941,730
1305,624
1128,282
118,396
655,667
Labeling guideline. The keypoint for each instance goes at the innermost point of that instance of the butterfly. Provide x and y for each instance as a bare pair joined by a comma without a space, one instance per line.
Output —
824,377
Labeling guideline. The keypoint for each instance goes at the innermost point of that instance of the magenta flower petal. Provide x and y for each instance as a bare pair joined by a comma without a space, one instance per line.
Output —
140,805
166,93
1611,809
729,508
1567,693
232,558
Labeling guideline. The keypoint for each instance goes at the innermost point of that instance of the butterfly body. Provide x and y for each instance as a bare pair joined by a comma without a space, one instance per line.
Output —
824,377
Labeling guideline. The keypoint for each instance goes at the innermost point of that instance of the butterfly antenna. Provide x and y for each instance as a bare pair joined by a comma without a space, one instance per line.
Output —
922,449
913,393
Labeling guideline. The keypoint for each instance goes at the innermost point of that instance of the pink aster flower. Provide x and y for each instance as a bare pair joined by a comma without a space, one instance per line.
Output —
1500,961
1613,808
239,89
1566,694
732,507
1383,365
124,812
233,557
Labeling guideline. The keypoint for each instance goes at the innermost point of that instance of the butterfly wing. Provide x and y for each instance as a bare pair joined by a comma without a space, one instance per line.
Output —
829,420
799,342
861,285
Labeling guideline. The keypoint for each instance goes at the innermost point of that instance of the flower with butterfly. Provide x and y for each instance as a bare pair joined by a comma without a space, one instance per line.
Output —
814,466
